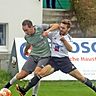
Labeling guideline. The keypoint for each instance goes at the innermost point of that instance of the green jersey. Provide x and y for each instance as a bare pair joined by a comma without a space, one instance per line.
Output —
40,45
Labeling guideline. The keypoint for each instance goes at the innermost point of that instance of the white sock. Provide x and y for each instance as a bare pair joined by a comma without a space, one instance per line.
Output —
35,89
13,80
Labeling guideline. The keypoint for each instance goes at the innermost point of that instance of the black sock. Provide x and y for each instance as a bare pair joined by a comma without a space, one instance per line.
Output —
7,85
90,84
32,83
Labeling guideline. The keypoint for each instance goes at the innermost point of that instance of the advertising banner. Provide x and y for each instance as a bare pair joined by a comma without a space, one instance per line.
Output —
83,57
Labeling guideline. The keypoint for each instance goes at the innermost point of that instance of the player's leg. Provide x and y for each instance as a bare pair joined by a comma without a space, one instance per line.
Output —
35,89
28,68
35,79
42,69
18,76
47,70
75,73
68,67
44,72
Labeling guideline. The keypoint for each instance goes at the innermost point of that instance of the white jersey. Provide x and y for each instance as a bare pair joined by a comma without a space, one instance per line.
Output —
58,48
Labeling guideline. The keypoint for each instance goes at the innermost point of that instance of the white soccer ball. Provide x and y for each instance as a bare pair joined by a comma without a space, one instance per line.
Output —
5,92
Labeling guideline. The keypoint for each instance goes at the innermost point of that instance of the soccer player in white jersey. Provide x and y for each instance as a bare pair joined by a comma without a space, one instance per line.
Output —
60,46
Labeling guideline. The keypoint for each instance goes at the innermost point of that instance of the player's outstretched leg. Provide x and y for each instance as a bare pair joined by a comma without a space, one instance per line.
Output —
18,76
75,73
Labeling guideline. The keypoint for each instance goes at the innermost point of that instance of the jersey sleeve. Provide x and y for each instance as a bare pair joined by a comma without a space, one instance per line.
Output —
44,26
52,33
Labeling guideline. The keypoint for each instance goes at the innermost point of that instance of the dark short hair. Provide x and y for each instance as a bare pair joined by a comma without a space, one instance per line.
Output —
67,22
27,22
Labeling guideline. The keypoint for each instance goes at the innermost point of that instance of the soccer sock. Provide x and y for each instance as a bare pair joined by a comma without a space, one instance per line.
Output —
7,85
32,83
13,80
35,89
90,84
10,82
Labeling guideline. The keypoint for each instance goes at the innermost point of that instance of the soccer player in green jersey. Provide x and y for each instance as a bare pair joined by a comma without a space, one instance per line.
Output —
40,53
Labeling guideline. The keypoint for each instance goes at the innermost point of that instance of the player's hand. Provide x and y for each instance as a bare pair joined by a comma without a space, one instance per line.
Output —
62,39
26,53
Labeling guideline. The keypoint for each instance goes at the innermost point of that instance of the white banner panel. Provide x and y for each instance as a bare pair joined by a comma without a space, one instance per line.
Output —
83,57
21,58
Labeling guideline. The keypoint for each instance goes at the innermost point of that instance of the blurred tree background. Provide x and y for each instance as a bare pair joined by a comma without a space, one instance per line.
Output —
85,11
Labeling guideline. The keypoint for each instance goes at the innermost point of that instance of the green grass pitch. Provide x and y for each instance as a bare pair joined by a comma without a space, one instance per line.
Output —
58,88
52,88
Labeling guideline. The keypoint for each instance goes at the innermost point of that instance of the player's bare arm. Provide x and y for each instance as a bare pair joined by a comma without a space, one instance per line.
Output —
65,42
52,27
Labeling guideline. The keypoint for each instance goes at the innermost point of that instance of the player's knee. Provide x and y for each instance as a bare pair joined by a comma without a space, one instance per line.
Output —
38,73
18,76
37,70
21,75
45,71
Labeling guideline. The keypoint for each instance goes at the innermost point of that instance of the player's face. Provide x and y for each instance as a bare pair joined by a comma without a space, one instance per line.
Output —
28,30
63,29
